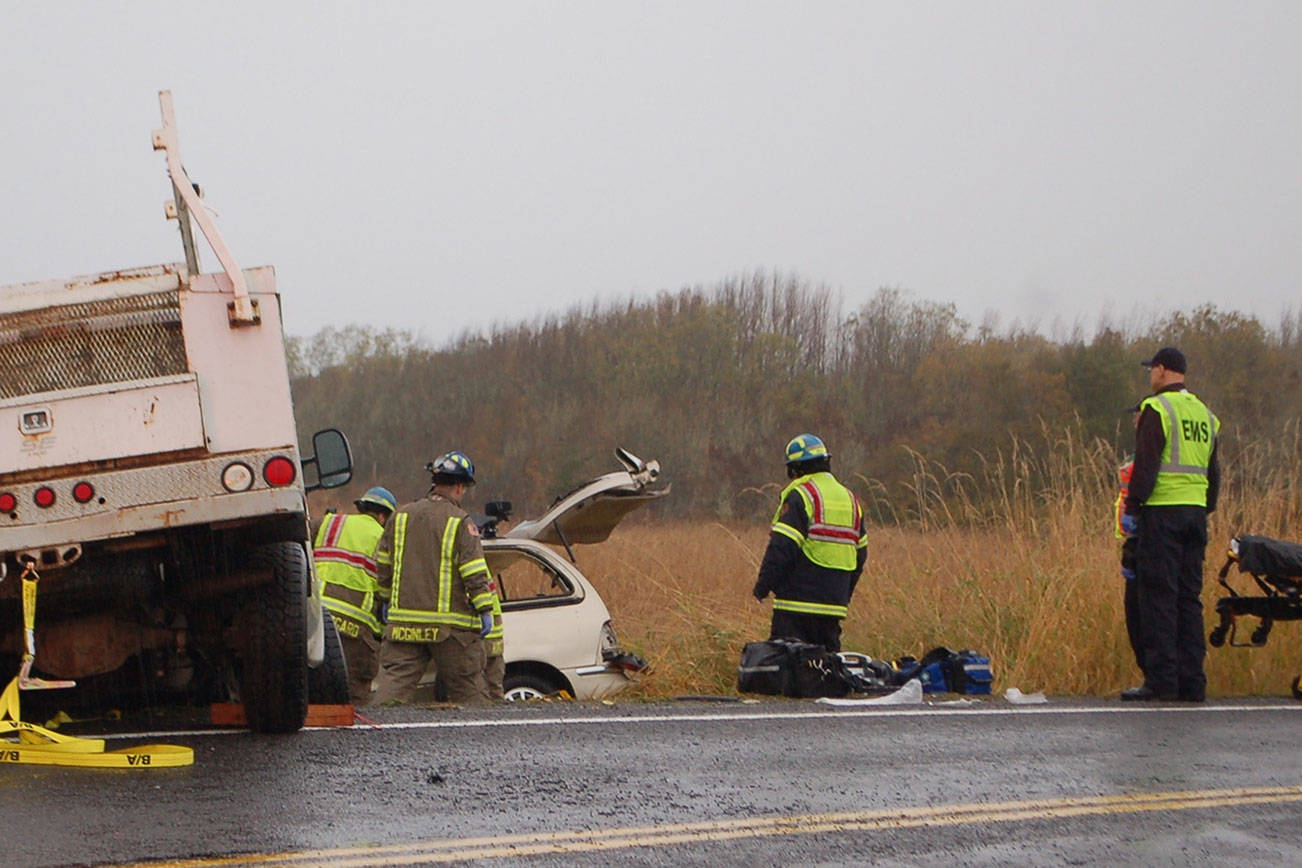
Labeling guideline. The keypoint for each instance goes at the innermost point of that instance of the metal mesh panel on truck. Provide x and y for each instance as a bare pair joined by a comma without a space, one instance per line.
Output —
93,343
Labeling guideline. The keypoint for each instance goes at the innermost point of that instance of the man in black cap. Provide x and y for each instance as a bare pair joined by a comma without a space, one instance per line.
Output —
1173,486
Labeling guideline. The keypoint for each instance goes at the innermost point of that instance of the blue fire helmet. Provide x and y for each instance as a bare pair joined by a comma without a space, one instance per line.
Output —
377,496
454,465
805,447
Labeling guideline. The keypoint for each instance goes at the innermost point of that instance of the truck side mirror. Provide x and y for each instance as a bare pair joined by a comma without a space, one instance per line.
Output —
331,462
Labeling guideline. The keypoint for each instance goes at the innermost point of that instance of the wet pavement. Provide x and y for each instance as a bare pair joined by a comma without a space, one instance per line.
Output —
1072,781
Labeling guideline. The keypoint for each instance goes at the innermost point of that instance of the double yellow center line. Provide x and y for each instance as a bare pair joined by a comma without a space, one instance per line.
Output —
587,841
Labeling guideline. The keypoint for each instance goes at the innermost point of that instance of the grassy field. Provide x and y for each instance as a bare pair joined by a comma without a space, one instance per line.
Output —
1030,579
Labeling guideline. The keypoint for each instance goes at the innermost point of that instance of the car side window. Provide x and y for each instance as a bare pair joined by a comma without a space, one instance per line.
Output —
522,578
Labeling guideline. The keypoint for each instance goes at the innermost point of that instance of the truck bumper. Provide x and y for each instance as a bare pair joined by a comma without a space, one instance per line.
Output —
179,495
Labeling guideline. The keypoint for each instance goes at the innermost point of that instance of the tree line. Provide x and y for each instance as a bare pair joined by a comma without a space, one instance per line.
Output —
712,381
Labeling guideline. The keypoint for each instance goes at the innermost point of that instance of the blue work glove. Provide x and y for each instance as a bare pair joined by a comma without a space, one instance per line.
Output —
383,613
1129,523
485,623
1128,574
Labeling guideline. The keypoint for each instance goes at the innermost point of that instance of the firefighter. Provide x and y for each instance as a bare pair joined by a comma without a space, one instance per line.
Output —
495,640
343,549
431,566
494,648
816,550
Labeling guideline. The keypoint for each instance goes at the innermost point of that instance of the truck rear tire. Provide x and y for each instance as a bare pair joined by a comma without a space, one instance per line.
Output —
328,683
273,678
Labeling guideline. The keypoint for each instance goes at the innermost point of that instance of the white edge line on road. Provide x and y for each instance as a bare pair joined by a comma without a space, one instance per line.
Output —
705,717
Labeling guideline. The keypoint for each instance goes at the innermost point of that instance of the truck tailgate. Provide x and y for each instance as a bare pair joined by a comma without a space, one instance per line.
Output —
100,422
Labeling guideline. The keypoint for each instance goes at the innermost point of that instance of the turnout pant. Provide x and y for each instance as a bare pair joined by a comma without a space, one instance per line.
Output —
1172,541
814,629
362,656
495,674
458,658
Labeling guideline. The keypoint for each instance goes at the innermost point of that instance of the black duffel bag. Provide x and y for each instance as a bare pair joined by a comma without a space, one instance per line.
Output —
789,667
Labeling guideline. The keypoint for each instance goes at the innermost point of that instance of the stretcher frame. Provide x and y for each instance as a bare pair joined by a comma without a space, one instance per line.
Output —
1276,568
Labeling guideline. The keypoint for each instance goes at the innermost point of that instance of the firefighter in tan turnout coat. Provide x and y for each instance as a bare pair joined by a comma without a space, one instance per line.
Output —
431,566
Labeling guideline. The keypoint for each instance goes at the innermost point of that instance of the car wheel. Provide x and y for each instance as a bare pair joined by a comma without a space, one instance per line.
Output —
519,688
273,678
328,683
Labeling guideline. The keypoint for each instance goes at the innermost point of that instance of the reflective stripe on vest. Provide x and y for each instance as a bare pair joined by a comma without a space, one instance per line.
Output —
827,609
346,569
834,520
1190,431
444,614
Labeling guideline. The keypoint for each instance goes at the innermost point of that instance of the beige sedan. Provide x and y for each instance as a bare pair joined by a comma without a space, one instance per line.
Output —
559,635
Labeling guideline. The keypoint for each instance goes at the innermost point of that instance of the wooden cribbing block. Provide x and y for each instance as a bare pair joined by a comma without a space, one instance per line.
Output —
232,714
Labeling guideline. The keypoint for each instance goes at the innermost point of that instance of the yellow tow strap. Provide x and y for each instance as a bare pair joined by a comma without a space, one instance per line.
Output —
38,745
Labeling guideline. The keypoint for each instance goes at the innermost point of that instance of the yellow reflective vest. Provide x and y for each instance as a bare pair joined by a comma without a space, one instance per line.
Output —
832,541
344,551
1191,431
835,521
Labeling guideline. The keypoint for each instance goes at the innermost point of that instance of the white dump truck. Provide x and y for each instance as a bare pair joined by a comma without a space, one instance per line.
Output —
150,477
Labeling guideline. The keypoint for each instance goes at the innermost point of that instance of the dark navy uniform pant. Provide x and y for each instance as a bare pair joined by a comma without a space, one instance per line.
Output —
1134,627
1172,541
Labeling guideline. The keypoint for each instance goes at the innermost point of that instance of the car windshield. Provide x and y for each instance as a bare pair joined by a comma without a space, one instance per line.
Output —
522,577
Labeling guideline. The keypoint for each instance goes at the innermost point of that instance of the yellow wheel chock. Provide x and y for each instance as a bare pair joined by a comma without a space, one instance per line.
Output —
38,745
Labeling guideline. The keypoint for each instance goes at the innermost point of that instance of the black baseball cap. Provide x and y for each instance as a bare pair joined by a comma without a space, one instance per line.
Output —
1169,358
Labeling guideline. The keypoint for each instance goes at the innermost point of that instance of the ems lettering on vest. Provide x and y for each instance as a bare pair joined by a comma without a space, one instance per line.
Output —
1195,431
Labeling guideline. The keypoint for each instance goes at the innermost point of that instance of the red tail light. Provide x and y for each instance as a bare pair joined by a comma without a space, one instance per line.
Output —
278,471
44,496
82,492
8,503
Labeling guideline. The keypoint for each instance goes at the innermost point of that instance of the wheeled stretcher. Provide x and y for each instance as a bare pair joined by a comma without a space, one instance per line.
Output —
1276,567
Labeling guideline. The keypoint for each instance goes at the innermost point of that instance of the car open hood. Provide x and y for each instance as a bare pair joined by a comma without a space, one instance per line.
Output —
590,512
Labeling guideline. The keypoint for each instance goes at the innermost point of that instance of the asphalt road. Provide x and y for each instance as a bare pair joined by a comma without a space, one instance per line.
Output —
1071,782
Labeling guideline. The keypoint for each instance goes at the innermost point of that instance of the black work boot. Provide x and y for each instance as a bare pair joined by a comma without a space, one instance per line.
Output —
1144,693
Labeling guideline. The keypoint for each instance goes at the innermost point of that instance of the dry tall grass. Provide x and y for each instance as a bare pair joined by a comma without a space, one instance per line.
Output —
1029,577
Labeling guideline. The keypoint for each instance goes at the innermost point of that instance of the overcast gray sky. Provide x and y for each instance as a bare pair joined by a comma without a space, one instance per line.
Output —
442,166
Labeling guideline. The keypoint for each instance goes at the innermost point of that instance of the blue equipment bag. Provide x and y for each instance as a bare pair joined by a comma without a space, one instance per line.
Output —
944,671
972,674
